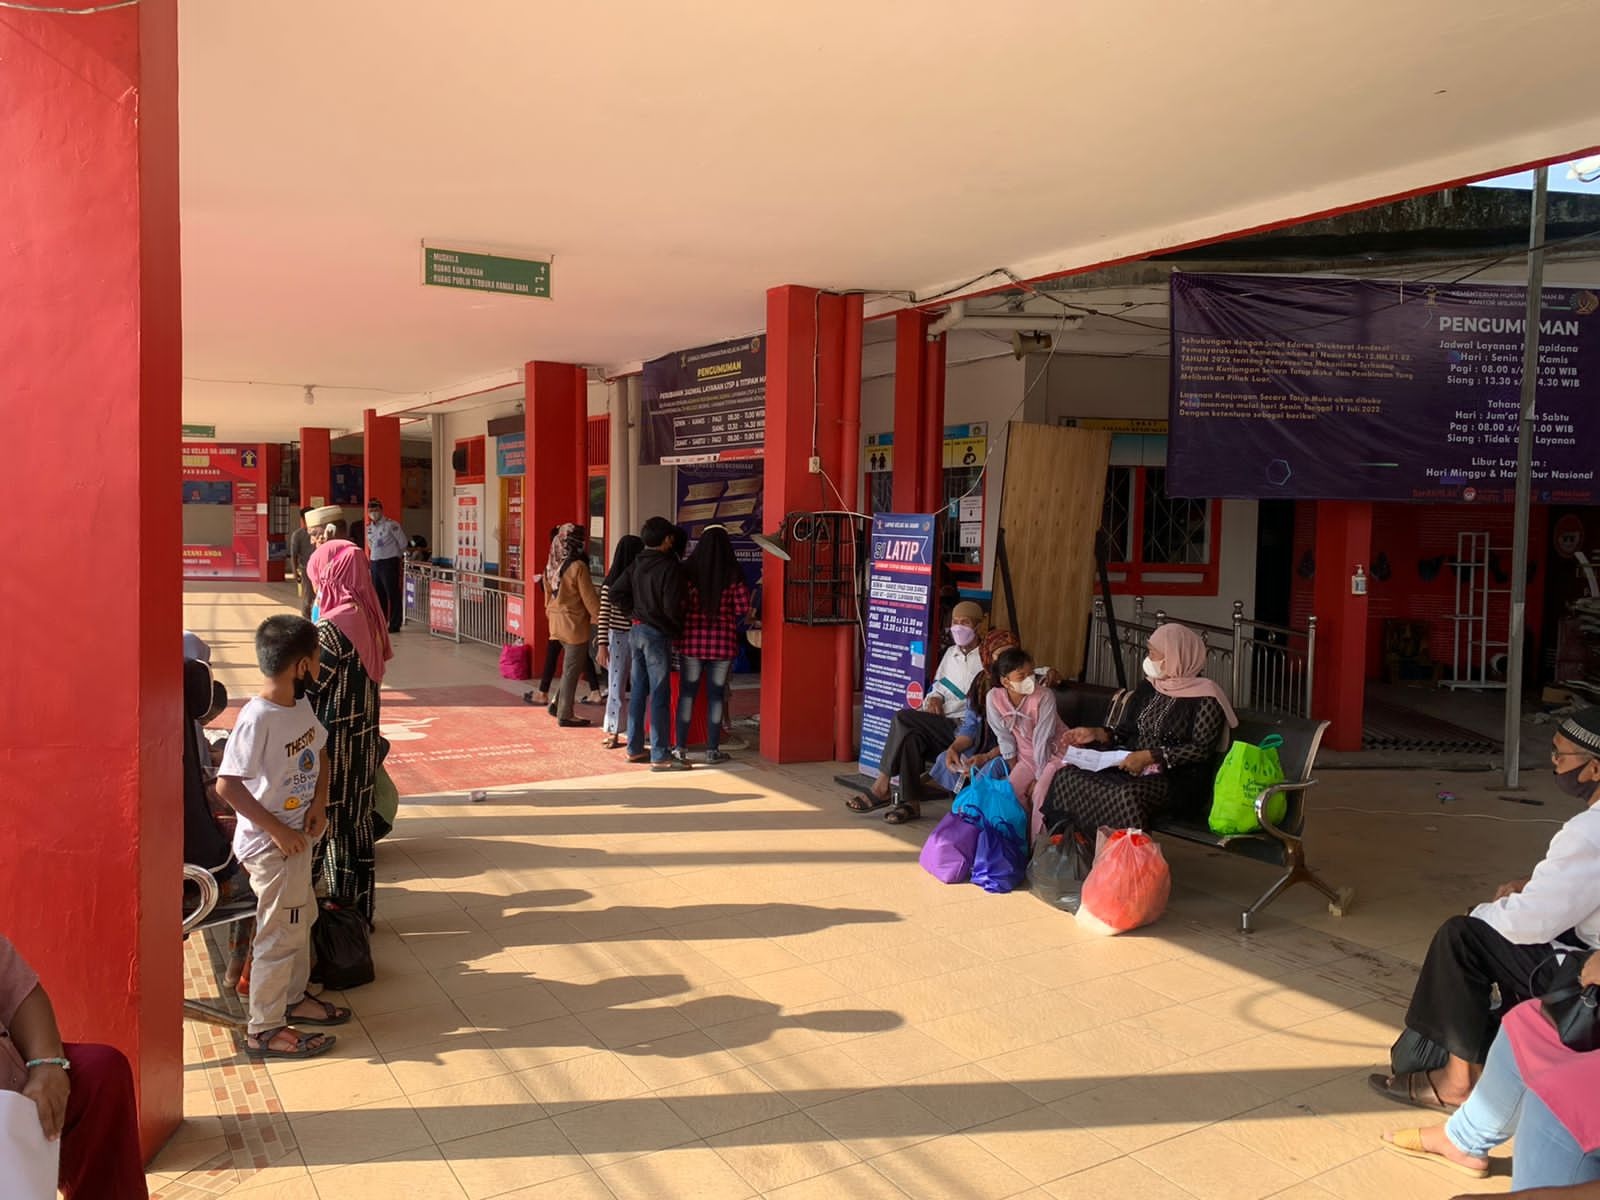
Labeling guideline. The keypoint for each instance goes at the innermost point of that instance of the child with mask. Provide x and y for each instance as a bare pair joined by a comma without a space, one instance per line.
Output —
1028,730
275,776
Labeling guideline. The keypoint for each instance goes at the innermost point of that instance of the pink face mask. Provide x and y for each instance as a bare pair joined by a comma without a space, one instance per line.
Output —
963,635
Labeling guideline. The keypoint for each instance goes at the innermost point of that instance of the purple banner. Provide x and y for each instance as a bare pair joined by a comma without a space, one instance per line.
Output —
1289,387
708,404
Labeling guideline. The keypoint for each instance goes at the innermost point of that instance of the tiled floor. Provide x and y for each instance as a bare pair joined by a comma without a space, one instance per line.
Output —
725,985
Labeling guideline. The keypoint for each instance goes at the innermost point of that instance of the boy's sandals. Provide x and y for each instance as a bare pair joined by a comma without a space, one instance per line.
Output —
306,1045
331,1014
902,814
1409,1143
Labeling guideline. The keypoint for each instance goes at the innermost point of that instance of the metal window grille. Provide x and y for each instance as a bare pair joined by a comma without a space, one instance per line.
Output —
1176,530
1116,518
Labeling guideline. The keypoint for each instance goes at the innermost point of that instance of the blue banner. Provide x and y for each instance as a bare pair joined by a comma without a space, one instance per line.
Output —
510,454
1293,387
899,626
726,494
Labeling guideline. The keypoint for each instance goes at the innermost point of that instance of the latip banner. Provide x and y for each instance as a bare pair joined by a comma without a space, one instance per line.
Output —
899,626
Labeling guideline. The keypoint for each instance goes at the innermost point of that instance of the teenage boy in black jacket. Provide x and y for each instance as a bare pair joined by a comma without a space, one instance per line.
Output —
656,591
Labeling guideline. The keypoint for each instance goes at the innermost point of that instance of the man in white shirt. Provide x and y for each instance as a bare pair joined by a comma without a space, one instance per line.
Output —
1502,942
386,547
918,736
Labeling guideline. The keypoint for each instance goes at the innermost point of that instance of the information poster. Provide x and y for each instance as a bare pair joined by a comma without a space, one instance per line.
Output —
899,626
1287,387
225,508
706,405
441,606
514,616
728,494
469,527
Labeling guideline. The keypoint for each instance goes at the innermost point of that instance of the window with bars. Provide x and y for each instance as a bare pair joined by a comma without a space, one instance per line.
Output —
1159,544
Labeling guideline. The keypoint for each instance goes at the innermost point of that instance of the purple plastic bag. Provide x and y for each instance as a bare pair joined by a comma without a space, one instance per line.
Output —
1001,860
947,854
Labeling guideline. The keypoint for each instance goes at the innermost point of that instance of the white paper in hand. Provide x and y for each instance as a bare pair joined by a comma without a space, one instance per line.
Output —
28,1163
1094,760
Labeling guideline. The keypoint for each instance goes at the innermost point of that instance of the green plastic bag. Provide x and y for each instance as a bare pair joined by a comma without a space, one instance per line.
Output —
1245,773
385,804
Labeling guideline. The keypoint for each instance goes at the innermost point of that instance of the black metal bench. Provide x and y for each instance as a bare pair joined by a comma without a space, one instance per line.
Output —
210,912
1281,844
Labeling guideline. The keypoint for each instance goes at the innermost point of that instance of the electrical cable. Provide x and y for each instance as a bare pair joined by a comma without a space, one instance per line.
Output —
67,12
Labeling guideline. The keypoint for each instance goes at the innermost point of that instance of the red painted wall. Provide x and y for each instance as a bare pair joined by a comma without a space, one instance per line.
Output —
91,375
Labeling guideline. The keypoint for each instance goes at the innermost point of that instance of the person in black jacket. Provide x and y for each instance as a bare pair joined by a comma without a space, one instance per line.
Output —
656,591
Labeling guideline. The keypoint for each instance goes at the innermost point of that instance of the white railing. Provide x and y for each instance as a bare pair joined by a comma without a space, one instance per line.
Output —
462,606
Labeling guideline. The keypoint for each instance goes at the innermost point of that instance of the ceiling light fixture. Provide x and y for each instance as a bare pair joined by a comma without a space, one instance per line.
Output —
311,394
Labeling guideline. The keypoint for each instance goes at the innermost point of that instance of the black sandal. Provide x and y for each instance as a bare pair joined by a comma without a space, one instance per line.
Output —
1402,1089
866,803
902,814
332,1014
304,1046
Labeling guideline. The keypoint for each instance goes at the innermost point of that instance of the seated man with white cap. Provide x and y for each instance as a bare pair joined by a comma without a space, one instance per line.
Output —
919,736
1498,946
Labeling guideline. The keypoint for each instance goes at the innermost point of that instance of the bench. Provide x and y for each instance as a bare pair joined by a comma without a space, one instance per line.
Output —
210,912
1280,845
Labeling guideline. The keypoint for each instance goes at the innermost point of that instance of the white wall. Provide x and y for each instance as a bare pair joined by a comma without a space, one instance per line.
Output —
457,425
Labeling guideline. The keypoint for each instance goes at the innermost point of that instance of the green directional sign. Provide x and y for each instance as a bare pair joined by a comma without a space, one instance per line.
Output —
199,431
493,273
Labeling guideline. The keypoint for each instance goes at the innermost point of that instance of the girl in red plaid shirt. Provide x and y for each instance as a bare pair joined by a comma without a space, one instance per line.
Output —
718,600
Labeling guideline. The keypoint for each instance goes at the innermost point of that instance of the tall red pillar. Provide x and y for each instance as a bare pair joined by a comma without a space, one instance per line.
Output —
930,470
1344,542
316,467
380,462
555,486
91,370
805,386
910,401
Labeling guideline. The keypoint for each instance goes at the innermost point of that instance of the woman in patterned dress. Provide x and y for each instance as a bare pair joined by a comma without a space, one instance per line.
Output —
355,652
1176,725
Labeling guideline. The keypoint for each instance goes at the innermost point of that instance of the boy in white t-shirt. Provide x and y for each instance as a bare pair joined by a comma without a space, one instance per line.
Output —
275,776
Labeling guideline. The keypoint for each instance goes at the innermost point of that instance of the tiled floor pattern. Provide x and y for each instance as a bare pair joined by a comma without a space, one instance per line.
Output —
724,985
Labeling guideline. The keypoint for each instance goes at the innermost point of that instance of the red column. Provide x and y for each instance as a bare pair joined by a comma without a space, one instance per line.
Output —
380,462
844,725
581,451
316,467
554,408
930,473
910,401
91,371
1344,542
799,662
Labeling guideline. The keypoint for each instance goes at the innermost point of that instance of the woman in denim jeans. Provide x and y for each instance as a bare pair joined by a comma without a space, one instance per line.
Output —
718,599
616,648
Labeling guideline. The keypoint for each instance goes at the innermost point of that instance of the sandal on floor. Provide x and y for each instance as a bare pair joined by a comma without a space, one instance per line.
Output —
863,804
1414,1089
305,1045
332,1014
610,742
1409,1143
902,814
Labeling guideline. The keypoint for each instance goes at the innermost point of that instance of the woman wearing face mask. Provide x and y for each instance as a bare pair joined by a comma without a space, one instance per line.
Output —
1176,727
1498,946
919,736
354,636
1027,729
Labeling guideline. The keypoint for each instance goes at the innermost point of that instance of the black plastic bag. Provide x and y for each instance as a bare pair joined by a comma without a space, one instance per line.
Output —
1413,1052
343,951
1056,872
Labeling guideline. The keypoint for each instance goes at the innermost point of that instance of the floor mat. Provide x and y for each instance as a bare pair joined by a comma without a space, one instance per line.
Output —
1390,726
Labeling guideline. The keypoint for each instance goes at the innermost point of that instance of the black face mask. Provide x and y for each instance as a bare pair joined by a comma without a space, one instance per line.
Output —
1578,789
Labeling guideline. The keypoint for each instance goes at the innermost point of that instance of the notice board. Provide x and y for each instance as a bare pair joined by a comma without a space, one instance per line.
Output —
899,626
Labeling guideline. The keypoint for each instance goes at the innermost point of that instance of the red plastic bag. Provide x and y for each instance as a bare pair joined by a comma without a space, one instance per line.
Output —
1129,885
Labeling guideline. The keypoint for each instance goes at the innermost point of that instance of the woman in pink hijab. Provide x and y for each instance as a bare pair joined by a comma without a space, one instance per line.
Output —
355,654
1175,727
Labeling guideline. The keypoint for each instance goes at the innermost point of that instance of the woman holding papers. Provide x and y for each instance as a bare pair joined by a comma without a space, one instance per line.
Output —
1175,728
919,736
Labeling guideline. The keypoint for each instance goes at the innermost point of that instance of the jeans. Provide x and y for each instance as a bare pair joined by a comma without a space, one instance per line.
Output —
617,673
1501,1106
716,673
652,683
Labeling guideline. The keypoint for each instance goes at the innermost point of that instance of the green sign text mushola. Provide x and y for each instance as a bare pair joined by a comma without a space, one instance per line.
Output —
485,272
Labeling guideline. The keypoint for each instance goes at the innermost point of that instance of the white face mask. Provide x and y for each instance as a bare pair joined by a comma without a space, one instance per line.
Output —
1025,688
1152,671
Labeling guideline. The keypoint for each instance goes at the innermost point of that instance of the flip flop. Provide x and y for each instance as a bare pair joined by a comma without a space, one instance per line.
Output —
332,1014
303,1047
865,803
1403,1089
1409,1143
901,814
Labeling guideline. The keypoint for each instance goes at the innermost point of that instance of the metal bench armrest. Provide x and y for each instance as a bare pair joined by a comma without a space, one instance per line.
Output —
210,893
1265,798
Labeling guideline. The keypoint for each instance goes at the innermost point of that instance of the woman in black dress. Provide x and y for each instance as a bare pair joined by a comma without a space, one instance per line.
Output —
1176,726
354,638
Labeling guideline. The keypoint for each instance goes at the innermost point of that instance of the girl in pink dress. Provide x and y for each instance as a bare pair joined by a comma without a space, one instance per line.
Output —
1023,716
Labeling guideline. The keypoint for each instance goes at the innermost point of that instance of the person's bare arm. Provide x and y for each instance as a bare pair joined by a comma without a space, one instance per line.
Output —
317,815
33,1029
237,797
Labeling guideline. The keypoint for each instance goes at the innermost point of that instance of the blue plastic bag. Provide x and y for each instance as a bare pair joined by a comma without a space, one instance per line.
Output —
990,799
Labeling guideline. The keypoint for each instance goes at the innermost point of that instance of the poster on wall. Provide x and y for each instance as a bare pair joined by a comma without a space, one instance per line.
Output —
468,514
510,454
224,511
706,405
1289,387
726,494
899,626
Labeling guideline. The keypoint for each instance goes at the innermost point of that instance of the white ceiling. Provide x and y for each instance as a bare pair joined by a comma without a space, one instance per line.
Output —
678,159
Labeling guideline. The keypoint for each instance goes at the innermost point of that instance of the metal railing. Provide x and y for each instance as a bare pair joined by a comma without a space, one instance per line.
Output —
1264,667
460,606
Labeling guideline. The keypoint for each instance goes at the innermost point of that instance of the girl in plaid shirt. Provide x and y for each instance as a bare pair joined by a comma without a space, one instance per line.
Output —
718,600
